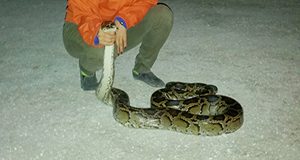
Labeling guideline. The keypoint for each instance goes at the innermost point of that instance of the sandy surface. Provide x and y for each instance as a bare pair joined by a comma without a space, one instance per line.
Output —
250,50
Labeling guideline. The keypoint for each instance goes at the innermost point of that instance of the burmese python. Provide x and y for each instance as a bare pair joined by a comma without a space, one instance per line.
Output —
192,108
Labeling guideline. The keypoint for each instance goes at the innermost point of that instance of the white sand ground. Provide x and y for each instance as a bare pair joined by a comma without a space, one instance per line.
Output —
249,49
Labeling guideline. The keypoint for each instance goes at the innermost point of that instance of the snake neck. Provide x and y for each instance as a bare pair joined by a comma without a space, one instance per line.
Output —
103,91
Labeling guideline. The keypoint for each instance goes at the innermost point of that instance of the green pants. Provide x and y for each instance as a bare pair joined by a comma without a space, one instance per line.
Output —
151,32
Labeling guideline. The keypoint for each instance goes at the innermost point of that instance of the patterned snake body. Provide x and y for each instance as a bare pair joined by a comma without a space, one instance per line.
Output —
191,108
202,113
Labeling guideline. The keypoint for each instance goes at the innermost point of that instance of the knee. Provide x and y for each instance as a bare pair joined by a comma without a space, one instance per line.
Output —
165,14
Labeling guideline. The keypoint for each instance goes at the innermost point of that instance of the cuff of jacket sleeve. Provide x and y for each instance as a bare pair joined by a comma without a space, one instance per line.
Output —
122,21
96,40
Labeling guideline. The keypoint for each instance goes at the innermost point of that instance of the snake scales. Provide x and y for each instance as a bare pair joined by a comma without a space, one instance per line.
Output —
191,108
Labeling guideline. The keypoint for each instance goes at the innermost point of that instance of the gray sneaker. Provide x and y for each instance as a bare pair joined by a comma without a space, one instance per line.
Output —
149,78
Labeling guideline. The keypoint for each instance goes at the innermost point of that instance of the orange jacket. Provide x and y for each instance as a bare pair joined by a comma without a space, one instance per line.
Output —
89,14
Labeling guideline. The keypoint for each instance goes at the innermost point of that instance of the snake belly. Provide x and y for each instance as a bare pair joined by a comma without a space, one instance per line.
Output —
191,108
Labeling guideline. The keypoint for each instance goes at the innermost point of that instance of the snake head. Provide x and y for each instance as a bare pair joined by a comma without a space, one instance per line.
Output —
108,26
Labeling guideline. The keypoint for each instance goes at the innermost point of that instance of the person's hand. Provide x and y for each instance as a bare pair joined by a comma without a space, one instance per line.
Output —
106,38
121,37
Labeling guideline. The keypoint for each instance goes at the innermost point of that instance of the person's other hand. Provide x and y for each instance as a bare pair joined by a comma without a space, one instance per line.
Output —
121,37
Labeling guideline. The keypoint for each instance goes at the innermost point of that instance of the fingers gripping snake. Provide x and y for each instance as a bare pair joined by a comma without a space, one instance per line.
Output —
191,108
